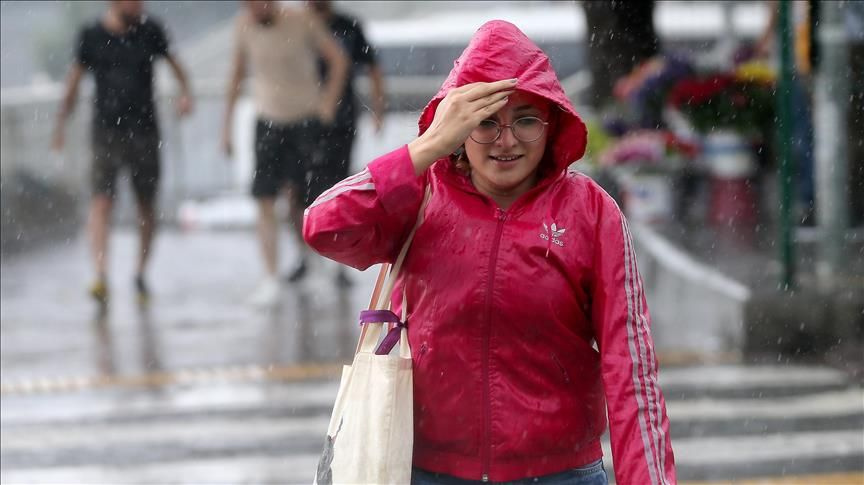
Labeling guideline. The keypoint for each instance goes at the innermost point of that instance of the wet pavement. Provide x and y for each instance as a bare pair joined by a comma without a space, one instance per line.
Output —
199,387
197,317
92,395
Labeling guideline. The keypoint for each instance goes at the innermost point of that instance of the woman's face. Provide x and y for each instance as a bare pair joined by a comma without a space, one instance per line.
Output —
507,167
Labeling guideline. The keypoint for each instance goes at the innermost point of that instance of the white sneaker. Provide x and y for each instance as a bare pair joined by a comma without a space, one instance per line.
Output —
266,294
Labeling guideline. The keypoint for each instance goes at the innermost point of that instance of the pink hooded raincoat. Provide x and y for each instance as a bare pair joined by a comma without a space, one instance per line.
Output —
505,306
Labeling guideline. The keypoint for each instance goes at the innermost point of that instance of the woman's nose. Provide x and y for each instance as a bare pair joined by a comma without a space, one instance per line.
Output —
506,140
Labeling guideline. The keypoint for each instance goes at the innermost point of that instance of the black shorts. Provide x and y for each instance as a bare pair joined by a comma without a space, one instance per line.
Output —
283,155
333,160
115,149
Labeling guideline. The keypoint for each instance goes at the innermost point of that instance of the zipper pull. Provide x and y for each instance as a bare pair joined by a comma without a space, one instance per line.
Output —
502,215
485,478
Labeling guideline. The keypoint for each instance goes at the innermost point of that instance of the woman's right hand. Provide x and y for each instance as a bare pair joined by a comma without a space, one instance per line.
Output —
456,116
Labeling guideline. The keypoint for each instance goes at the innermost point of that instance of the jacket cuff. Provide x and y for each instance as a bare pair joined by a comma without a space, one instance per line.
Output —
396,185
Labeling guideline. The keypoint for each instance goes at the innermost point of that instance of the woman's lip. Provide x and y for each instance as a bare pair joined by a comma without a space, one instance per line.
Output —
511,158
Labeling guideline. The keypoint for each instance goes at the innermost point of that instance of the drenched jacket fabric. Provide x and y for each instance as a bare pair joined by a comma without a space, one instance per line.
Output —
524,323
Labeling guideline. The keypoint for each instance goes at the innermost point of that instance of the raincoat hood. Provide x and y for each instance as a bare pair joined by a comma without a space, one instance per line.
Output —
499,50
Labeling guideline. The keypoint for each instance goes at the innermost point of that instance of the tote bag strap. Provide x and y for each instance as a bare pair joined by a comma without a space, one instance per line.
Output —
380,299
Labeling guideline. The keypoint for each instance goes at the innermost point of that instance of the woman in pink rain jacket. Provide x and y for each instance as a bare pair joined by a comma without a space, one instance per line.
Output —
526,312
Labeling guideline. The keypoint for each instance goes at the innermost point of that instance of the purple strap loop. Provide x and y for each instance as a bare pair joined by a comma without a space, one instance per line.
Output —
389,340
384,316
378,316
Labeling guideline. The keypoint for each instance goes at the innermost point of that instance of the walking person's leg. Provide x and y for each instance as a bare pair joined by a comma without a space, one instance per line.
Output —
270,142
146,233
327,165
335,169
103,178
267,291
268,237
98,230
303,156
295,195
145,171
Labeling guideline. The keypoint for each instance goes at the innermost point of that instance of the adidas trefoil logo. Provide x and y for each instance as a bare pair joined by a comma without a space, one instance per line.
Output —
556,234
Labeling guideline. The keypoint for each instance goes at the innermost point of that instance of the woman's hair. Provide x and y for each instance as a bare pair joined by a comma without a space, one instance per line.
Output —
459,159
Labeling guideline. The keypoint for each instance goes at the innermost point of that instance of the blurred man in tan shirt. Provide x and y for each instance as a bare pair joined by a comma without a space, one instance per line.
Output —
281,46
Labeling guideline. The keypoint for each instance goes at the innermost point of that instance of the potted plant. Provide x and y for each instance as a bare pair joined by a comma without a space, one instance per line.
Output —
732,112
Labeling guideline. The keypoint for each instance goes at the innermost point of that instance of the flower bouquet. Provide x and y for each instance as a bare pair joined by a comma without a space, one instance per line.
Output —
741,101
647,148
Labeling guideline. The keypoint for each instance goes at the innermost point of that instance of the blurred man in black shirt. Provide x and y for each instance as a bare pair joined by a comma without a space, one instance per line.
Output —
334,155
119,50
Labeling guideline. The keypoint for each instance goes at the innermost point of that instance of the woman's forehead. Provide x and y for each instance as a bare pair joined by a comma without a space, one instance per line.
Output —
525,101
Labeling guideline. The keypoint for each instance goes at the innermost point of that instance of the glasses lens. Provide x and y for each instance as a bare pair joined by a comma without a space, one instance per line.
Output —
486,132
528,129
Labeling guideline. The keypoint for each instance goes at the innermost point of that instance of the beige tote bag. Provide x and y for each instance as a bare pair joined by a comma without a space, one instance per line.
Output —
370,439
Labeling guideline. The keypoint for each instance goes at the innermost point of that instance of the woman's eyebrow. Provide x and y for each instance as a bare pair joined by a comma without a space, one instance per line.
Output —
528,108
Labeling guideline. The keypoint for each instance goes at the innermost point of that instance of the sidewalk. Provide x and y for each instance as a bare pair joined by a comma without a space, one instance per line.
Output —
807,324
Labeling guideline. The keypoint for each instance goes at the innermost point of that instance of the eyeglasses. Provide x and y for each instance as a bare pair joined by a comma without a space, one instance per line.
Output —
525,129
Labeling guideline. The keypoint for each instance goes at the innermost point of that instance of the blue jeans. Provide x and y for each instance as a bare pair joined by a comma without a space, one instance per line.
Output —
593,474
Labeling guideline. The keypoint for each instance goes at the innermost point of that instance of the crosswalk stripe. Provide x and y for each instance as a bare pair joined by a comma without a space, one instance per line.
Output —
718,376
259,469
826,479
247,423
321,394
824,404
138,444
213,430
290,373
788,446
673,380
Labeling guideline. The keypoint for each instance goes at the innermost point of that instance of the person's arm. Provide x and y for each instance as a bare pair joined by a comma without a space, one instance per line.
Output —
67,106
639,427
184,103
235,80
337,68
161,46
365,54
461,110
766,40
379,106
363,220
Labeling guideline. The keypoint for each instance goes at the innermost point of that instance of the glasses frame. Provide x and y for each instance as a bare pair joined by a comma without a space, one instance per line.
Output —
501,127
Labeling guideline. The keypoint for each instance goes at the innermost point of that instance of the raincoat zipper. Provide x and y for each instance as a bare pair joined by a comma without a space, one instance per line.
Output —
486,445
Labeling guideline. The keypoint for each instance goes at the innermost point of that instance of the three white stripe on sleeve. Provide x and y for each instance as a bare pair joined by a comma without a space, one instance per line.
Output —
360,181
641,355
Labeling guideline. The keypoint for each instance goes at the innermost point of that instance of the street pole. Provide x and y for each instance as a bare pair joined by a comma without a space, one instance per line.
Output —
830,143
784,145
